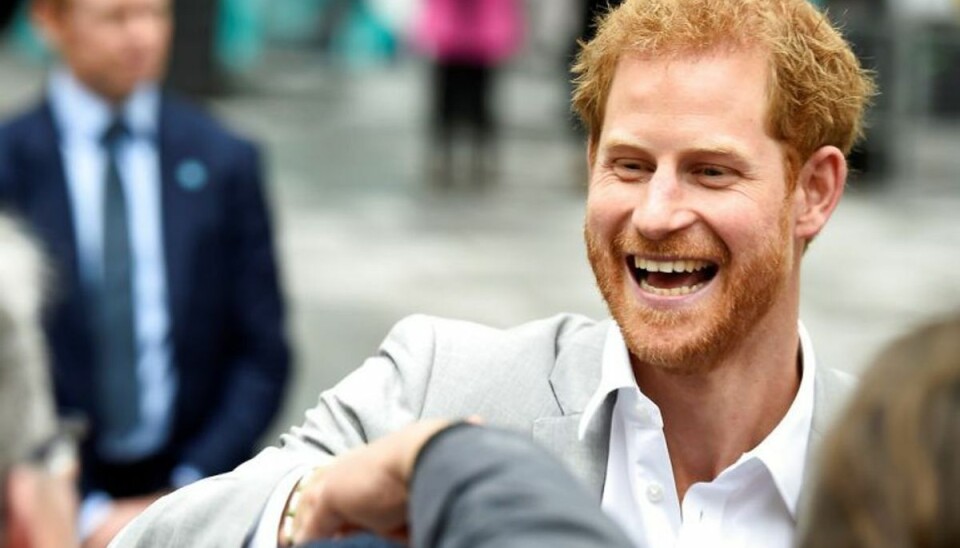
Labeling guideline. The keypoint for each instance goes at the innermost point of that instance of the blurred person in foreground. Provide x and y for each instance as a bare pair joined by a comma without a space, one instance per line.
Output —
461,485
717,133
890,471
167,329
37,461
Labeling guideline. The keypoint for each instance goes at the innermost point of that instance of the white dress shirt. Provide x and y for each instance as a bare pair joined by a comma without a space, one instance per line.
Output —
82,117
751,503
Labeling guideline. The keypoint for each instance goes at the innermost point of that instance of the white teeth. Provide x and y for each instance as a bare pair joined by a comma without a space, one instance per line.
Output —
669,266
674,292
684,265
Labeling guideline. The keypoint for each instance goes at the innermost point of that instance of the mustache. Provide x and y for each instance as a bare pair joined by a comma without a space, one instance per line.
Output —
705,246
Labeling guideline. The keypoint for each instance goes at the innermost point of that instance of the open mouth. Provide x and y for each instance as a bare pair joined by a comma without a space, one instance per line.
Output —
669,278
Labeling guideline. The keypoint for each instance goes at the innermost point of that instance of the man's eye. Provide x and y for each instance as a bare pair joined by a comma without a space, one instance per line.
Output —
715,175
714,171
629,169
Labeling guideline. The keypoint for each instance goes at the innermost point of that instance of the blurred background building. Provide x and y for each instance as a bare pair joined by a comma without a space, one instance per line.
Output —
342,106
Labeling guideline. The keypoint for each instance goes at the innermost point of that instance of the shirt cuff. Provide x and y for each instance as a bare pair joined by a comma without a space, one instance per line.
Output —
265,535
93,513
185,474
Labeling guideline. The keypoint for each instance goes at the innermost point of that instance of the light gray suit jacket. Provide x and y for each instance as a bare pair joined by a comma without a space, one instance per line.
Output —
535,378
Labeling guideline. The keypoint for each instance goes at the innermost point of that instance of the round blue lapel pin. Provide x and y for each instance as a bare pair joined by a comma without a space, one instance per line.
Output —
191,175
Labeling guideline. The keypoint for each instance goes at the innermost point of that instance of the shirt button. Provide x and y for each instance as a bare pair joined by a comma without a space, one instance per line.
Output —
654,492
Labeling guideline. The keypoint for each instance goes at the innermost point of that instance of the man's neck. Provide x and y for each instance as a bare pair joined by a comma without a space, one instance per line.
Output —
711,419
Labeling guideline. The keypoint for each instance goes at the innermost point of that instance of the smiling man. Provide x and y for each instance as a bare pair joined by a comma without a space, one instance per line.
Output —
717,138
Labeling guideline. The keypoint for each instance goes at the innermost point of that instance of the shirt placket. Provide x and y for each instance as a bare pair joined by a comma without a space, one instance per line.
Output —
651,476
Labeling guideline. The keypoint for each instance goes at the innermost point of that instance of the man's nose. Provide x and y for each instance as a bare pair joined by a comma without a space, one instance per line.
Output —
662,206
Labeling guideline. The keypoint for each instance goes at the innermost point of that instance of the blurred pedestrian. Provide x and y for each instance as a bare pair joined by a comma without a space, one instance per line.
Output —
167,330
467,40
331,21
37,460
890,472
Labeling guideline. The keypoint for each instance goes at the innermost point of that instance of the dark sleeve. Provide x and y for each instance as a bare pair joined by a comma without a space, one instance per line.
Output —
479,487
259,355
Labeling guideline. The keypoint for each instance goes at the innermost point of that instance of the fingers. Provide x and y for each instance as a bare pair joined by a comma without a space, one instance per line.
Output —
365,489
311,518
343,504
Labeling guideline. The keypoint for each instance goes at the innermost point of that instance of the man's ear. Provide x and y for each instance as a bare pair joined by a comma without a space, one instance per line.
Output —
819,187
20,504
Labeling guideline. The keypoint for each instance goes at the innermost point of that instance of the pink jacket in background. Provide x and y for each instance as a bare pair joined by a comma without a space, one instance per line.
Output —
479,31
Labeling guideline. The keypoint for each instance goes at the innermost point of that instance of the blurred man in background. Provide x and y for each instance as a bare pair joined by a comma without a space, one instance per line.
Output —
37,461
167,330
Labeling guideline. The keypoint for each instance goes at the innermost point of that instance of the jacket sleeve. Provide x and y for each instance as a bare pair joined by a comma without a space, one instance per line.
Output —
384,394
479,487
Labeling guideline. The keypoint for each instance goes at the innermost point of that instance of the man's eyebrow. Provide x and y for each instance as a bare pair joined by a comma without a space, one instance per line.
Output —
618,142
729,151
721,151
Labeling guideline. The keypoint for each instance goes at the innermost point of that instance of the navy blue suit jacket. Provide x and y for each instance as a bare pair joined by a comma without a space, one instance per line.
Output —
227,329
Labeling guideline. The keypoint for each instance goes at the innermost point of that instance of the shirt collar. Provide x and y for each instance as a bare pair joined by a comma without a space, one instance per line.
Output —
782,452
83,114
615,373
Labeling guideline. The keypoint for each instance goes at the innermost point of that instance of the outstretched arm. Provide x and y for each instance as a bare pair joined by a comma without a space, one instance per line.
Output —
454,487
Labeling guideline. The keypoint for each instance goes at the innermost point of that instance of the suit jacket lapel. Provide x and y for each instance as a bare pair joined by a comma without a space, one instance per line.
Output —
831,390
50,202
575,377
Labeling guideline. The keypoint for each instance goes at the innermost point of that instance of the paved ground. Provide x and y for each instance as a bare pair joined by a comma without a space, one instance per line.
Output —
364,241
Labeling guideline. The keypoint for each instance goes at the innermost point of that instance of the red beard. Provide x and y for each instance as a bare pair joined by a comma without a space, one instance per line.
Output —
696,339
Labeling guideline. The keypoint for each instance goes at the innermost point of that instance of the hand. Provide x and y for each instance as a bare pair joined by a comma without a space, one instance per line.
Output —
122,512
364,489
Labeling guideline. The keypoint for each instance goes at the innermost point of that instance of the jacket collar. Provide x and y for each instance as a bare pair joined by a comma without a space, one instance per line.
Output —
574,379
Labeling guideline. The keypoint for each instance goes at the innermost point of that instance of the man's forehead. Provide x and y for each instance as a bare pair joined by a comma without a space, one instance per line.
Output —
665,103
695,79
